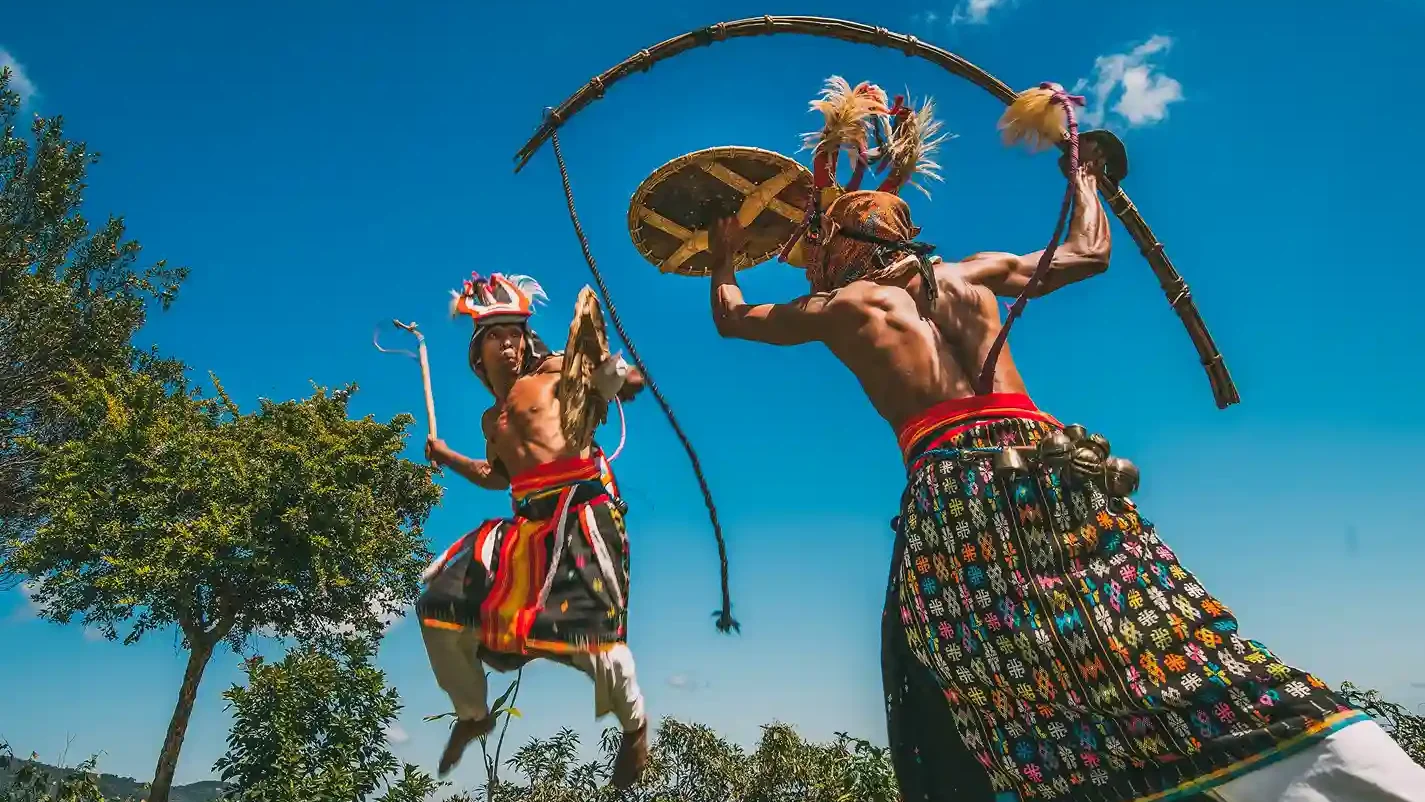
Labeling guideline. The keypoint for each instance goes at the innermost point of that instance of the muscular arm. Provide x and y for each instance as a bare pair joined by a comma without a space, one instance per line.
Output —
799,321
1083,254
479,471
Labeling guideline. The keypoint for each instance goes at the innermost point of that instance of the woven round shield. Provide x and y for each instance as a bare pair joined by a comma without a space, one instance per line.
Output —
673,209
582,409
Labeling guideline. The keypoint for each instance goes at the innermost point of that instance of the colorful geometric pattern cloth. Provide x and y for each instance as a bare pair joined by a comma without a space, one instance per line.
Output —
1077,658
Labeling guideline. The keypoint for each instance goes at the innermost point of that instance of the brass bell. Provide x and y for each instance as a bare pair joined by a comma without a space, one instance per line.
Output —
1121,476
1009,464
1098,443
1055,450
1086,462
1075,432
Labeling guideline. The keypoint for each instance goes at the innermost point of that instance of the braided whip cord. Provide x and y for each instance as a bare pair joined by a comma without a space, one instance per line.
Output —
987,373
725,622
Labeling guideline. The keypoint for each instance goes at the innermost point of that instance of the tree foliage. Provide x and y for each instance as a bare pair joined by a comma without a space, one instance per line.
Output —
70,294
692,763
312,728
1408,729
32,781
179,509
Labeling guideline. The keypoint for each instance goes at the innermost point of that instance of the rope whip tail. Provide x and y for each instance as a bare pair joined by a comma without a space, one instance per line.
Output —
725,621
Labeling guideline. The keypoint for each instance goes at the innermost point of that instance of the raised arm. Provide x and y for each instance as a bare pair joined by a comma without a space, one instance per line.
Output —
1083,253
799,321
482,472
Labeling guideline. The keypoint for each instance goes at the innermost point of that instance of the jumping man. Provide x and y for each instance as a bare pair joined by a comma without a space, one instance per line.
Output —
553,581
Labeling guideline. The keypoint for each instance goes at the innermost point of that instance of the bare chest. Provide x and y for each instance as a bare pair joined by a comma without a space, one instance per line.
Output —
530,408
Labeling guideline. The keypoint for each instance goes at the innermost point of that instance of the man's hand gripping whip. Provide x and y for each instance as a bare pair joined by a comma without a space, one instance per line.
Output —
425,368
1036,109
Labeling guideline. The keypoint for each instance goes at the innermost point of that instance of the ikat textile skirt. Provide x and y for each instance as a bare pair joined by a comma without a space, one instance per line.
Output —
1041,642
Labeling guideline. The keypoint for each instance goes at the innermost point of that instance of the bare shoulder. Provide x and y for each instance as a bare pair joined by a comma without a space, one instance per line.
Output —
553,363
487,421
866,296
857,293
964,280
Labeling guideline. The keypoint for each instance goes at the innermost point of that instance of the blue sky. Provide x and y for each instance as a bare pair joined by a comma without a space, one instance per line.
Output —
327,168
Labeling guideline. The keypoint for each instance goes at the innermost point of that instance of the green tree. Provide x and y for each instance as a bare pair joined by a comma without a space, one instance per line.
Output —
312,728
178,509
502,711
692,763
31,781
69,295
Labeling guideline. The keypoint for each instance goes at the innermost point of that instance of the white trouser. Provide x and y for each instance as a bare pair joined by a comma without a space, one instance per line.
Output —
1360,763
454,657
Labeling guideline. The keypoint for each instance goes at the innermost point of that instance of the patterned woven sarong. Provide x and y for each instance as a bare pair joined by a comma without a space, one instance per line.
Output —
1073,656
494,576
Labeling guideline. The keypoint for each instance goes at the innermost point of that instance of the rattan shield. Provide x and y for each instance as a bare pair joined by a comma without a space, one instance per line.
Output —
582,409
671,211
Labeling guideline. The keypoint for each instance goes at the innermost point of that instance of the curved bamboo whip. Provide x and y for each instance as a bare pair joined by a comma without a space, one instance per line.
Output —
1174,287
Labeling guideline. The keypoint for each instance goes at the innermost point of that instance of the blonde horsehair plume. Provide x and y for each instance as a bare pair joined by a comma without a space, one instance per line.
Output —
1034,120
915,140
846,112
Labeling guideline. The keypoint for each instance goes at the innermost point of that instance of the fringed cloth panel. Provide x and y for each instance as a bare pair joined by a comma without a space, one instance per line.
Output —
494,575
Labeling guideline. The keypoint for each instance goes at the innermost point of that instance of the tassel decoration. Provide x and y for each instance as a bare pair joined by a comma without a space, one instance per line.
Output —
1035,119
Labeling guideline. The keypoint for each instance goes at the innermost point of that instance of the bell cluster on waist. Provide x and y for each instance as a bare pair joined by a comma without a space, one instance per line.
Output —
1083,455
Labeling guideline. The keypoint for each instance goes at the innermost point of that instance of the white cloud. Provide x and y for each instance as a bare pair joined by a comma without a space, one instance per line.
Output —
19,80
686,683
31,608
397,734
974,12
379,606
1131,86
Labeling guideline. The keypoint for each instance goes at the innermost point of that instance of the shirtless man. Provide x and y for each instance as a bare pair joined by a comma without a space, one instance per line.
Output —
478,610
1039,640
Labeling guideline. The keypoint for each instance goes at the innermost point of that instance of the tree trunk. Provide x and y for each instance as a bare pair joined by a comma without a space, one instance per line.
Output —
198,655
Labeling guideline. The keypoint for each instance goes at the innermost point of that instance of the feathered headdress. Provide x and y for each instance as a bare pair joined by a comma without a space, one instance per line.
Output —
853,118
496,300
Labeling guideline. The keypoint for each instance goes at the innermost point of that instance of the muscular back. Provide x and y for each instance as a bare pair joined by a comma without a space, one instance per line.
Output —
524,431
908,356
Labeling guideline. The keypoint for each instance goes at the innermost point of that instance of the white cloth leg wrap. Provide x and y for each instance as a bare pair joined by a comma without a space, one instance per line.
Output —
454,658
1359,763
615,685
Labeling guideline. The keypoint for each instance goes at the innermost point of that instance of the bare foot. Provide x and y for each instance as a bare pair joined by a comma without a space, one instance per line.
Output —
632,758
464,731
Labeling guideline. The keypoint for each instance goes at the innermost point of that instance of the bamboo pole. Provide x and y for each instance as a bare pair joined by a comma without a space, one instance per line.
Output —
1224,391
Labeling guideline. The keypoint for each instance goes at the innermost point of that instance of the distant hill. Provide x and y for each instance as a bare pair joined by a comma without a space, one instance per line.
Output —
123,789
